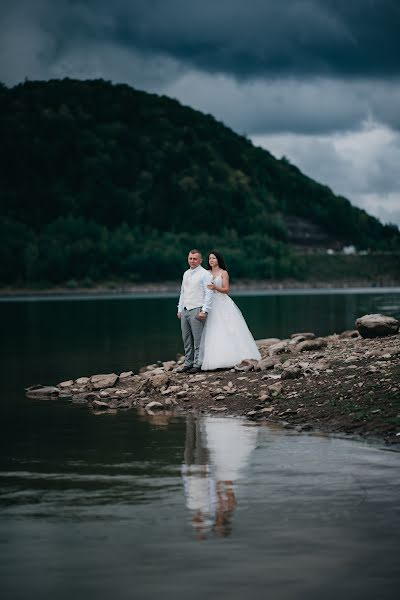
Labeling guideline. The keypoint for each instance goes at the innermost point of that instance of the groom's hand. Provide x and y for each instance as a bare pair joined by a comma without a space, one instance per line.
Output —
179,315
202,315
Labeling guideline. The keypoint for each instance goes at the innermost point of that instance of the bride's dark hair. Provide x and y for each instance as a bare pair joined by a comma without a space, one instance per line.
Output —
220,259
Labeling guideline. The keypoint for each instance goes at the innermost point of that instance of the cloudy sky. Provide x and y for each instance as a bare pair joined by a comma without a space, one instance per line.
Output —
317,81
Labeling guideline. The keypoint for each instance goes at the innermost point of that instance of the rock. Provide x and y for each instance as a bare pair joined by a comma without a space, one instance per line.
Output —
216,391
279,348
304,364
291,373
181,394
219,398
66,384
299,338
275,388
390,350
92,396
103,381
46,391
266,363
263,397
82,380
349,334
267,409
173,389
246,365
377,325
288,412
126,374
156,371
169,365
154,406
79,400
267,342
304,336
321,365
37,386
199,377
219,408
157,380
99,405
230,389
307,345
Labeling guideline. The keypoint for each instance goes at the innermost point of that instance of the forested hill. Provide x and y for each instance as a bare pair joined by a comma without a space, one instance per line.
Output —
100,180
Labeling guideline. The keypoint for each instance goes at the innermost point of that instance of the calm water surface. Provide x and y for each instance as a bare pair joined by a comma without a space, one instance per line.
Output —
128,506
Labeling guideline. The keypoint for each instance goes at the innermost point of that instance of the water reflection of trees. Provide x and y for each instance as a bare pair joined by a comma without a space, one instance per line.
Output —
217,450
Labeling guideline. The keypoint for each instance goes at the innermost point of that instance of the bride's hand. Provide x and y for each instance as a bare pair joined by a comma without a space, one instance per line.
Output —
211,286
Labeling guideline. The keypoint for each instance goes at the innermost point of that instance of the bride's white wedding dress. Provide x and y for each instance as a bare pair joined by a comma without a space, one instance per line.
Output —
226,339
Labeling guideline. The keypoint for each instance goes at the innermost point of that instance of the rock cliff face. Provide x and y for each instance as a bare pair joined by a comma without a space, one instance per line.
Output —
339,383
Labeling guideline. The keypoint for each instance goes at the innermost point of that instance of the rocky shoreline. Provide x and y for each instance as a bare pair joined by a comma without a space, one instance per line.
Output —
343,384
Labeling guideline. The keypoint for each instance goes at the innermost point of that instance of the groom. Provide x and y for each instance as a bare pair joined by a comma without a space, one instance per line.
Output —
194,303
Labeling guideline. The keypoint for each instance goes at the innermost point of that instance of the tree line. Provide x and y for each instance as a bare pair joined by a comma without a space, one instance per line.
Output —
100,180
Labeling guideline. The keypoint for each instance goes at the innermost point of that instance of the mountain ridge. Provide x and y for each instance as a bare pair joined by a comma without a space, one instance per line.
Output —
83,161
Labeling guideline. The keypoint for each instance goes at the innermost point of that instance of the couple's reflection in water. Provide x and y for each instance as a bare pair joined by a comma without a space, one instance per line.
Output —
217,451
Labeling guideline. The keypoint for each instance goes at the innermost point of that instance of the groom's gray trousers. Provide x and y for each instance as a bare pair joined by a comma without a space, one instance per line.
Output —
192,330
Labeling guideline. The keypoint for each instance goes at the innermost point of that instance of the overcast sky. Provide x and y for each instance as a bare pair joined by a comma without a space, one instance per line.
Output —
317,81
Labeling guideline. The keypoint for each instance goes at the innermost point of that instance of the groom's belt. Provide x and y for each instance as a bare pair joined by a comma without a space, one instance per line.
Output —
195,308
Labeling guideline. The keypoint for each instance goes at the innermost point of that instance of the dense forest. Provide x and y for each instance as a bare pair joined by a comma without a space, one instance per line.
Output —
101,181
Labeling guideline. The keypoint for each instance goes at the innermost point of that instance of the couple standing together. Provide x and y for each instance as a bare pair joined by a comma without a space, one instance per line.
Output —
214,332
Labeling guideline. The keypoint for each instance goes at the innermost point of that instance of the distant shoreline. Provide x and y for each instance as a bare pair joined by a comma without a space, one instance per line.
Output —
172,287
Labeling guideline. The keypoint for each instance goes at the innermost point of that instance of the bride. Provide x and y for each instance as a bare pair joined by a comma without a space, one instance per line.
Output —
226,339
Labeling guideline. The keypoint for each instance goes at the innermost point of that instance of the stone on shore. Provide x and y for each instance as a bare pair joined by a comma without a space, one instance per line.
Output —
291,373
169,365
99,405
99,382
316,344
154,406
126,374
66,384
279,348
266,363
265,343
377,325
246,365
275,388
46,391
156,380
304,336
82,380
349,334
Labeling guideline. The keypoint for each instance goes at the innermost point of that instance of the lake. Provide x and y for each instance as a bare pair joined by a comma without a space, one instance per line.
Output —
131,506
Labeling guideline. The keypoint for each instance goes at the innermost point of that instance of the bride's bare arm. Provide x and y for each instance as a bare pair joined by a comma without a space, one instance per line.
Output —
224,288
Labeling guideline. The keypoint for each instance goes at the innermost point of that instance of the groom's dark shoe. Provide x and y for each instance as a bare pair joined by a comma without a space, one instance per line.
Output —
184,369
195,370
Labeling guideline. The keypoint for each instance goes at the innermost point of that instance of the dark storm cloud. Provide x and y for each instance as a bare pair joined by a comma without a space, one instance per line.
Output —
357,38
294,37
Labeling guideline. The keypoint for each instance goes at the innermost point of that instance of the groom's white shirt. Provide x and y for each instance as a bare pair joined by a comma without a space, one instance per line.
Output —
194,290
